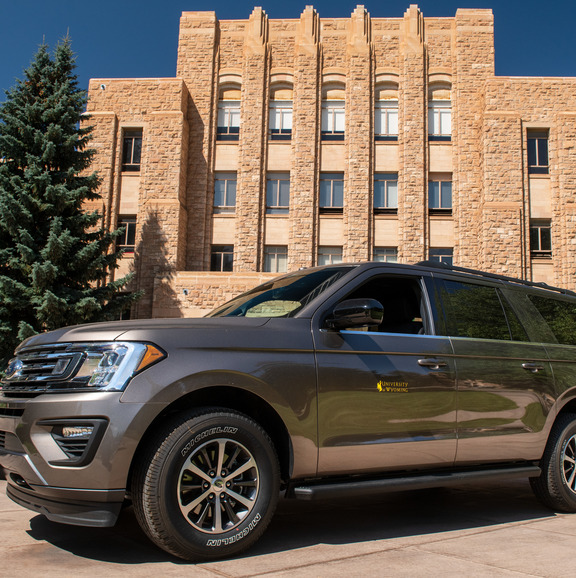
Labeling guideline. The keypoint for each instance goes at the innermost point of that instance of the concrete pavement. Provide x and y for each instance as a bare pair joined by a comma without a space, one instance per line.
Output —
473,530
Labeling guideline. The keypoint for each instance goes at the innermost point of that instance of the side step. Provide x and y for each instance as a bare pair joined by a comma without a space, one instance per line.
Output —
338,489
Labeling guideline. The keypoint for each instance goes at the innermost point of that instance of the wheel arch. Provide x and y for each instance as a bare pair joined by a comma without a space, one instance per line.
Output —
232,399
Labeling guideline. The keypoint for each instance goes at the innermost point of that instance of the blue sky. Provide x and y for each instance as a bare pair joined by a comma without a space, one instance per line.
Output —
138,38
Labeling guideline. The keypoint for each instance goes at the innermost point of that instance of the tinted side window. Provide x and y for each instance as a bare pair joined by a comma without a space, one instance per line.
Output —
479,312
559,315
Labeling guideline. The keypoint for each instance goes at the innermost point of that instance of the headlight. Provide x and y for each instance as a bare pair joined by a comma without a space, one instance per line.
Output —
74,366
110,366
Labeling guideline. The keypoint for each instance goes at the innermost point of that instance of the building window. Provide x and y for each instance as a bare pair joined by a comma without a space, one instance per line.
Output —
441,255
538,152
127,239
386,193
331,192
386,113
280,121
275,259
440,194
329,255
132,150
385,254
541,239
440,113
222,258
229,114
225,192
278,193
333,113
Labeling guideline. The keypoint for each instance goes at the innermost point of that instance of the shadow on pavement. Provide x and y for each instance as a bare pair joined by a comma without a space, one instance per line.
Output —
300,524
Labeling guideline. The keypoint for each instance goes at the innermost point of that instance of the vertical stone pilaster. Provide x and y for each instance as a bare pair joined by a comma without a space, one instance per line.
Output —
503,207
252,153
359,138
303,232
105,126
412,182
162,203
473,65
197,50
563,184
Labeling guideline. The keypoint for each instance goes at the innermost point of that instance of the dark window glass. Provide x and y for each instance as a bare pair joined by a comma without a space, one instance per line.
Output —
331,192
541,238
474,311
538,152
559,315
222,258
441,255
132,150
127,240
278,193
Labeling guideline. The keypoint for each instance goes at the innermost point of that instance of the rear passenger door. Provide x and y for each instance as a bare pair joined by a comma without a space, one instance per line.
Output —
504,382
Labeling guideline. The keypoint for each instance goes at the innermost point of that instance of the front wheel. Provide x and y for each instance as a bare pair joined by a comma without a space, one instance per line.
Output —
556,486
207,485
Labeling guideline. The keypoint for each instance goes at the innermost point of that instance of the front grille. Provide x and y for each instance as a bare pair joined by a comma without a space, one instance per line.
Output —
10,412
40,369
2,440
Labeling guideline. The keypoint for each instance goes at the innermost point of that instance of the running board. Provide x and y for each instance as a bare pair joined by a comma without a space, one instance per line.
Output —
340,489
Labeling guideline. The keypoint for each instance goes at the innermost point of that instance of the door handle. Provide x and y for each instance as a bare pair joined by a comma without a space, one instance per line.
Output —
432,363
533,367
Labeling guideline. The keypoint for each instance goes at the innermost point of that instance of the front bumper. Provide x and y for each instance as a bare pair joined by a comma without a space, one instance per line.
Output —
41,472
69,506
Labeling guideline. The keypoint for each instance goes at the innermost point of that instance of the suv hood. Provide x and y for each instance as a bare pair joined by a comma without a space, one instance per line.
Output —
140,330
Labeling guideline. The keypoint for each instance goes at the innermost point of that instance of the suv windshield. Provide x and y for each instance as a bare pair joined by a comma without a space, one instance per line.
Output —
282,297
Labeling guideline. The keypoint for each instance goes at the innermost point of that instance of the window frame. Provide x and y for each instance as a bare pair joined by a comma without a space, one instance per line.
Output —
228,130
222,258
390,254
536,139
440,210
387,207
436,125
131,154
332,207
333,114
540,225
128,223
281,110
383,109
275,258
273,196
331,252
441,255
228,178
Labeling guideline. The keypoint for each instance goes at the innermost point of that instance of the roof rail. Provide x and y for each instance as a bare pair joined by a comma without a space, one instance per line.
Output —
539,284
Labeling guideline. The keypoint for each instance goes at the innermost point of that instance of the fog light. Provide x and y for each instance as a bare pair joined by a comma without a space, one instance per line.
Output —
77,432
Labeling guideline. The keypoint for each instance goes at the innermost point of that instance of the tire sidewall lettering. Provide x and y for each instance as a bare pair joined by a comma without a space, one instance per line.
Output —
237,536
217,430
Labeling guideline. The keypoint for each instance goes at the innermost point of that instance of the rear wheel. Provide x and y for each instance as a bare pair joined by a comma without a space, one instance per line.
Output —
556,486
208,485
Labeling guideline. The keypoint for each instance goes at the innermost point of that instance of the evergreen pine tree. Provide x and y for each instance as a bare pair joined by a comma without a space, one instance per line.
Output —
55,257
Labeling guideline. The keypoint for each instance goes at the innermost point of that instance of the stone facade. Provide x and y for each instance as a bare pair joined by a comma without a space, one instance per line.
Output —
411,66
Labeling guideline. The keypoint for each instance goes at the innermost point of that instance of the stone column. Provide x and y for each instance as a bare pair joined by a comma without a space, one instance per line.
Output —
248,248
303,232
473,65
412,181
359,138
197,49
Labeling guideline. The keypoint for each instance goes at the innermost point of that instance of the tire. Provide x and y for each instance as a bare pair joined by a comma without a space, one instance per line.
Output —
190,509
556,486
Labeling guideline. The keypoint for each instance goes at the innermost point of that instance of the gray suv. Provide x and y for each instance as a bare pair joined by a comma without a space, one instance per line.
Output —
338,380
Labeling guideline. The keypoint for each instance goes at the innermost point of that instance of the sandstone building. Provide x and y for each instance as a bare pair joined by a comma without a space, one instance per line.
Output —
289,143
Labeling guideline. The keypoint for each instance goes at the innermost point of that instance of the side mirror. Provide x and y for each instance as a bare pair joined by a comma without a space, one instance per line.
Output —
356,313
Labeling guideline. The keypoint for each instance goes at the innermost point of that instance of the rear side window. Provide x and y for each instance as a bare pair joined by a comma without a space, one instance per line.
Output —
560,316
479,312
